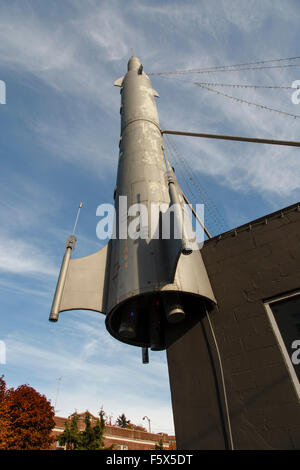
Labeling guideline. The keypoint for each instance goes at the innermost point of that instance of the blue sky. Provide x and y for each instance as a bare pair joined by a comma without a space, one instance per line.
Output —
59,145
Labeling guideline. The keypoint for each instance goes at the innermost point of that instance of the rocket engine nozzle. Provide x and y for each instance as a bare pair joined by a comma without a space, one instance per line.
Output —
128,323
173,309
144,286
143,319
156,328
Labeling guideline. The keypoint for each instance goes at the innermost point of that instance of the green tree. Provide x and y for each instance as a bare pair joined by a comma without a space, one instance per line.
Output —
99,427
122,422
71,435
91,438
160,445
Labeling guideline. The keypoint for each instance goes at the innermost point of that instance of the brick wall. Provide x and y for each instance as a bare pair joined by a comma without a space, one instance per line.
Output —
133,439
246,266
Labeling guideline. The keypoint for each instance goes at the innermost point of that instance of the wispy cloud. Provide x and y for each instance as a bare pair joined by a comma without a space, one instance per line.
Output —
77,141
64,58
96,370
24,202
21,257
56,56
242,167
17,287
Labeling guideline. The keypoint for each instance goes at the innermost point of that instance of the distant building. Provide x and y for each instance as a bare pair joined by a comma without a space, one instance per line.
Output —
122,439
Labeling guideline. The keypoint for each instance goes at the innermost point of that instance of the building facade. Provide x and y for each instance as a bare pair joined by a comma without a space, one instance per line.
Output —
254,271
120,438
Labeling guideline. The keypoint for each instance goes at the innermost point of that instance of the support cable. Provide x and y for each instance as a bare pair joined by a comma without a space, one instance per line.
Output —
196,215
182,172
186,170
223,380
232,68
238,69
188,202
241,85
212,208
290,143
193,182
240,100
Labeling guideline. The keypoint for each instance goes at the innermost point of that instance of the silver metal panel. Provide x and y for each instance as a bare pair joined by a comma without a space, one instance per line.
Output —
84,285
191,277
143,266
131,267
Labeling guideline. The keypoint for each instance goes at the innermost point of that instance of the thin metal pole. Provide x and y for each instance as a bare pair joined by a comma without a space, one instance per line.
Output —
76,220
223,380
186,248
148,423
57,392
196,215
55,309
290,143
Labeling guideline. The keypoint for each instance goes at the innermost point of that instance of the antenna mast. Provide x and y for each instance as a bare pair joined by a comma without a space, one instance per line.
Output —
57,392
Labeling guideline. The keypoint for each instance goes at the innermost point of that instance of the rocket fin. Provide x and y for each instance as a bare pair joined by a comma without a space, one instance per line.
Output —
155,93
119,82
191,276
85,283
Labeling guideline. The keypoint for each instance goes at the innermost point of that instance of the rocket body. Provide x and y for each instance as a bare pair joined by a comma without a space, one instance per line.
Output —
141,280
139,265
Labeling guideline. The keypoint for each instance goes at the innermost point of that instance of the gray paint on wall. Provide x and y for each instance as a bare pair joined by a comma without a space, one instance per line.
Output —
246,266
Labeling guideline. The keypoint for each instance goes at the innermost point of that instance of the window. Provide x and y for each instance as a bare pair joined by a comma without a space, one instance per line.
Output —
284,315
122,447
59,447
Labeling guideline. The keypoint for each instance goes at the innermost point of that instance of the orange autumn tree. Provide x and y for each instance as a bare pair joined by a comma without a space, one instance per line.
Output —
26,419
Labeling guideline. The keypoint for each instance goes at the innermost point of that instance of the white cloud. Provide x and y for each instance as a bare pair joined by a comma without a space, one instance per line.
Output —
21,257
24,202
95,369
214,18
243,167
108,30
78,55
56,56
79,142
17,287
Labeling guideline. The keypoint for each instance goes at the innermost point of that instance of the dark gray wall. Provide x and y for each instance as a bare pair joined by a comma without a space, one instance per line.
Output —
246,266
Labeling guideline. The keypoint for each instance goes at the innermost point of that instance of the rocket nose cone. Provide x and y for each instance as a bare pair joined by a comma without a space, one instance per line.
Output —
134,63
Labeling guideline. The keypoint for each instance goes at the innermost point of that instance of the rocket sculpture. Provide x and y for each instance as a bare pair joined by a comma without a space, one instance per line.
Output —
148,283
